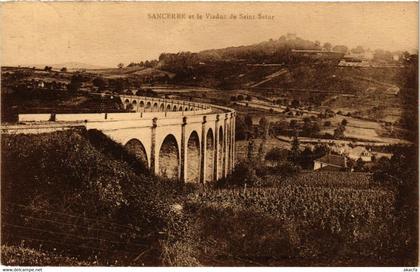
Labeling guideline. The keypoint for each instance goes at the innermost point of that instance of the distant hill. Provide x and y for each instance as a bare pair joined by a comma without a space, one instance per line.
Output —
272,63
271,51
70,66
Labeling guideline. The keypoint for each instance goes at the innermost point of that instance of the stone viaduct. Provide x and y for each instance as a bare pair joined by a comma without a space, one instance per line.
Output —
193,142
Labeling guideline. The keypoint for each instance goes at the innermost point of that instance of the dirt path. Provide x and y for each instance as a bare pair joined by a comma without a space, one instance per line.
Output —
271,77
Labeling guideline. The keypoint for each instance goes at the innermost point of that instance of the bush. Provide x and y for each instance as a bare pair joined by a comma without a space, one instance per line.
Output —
21,256
243,174
96,203
285,169
277,154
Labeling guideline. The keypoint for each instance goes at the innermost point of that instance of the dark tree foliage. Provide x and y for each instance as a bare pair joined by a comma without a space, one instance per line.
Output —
408,79
99,82
295,103
243,174
75,83
277,154
295,150
339,132
248,121
401,171
241,129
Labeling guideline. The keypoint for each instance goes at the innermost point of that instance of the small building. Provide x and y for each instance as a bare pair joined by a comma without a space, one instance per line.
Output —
40,84
360,152
331,162
379,155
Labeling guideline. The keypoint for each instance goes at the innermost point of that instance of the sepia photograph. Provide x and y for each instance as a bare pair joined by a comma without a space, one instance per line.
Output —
209,134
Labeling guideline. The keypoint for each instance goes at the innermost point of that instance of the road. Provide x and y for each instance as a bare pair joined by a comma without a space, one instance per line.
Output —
306,140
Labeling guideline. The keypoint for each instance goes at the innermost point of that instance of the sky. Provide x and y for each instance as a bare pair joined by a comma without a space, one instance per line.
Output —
106,34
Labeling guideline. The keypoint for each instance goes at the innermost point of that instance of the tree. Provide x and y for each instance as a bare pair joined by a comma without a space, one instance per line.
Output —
263,122
306,158
408,79
360,165
277,155
241,130
64,69
295,150
261,150
358,50
120,65
99,82
279,127
295,103
293,124
314,129
75,83
307,127
264,126
327,46
248,121
118,84
243,174
320,151
286,169
251,146
344,122
340,48
382,55
339,132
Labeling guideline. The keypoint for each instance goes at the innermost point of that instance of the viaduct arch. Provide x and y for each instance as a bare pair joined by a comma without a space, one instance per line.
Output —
193,142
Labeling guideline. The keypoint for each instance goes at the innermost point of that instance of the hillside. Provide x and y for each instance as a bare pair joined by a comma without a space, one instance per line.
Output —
284,63
79,194
78,198
244,66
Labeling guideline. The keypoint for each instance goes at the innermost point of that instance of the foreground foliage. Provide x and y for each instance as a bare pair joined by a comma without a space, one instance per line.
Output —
78,198
62,193
300,225
21,256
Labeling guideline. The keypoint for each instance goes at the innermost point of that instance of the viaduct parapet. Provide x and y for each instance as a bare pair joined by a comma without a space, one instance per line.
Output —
193,142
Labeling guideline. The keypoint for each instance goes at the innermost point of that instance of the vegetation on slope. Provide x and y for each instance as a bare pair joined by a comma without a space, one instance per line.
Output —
317,220
62,194
76,197
297,225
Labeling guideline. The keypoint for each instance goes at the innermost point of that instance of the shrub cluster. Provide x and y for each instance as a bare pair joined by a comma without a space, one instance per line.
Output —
18,256
83,195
